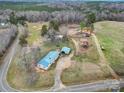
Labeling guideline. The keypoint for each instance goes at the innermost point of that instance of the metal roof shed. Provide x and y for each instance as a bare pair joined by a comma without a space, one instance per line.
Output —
66,50
49,59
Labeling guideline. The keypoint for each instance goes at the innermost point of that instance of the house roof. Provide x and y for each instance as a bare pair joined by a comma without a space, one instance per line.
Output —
66,50
49,59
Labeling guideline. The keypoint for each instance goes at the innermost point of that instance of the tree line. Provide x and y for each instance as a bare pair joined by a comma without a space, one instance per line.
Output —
6,37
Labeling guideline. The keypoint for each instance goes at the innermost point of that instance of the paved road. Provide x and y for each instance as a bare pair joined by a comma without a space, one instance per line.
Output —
4,86
4,68
90,87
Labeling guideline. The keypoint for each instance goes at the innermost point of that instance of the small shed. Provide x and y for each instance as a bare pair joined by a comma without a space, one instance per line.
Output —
66,50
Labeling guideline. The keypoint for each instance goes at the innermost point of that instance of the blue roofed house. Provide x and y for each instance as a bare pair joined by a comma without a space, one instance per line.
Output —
51,57
66,50
48,60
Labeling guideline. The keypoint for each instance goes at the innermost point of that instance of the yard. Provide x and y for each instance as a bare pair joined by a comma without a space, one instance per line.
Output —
17,78
111,37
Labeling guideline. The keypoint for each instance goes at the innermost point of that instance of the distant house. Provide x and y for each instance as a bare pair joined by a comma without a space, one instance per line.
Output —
48,60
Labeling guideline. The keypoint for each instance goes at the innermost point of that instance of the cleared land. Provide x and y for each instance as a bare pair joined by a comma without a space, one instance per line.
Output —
110,35
34,32
86,67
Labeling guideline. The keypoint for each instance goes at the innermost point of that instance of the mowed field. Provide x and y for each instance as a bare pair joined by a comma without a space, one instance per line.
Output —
111,37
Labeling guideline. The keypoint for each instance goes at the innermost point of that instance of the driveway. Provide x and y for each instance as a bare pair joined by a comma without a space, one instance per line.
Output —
63,63
95,86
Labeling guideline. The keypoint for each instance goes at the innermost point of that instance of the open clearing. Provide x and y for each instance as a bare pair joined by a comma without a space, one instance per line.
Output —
86,67
111,37
34,32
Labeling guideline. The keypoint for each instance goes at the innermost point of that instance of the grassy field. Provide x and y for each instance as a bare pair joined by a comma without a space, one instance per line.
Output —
111,37
85,68
34,32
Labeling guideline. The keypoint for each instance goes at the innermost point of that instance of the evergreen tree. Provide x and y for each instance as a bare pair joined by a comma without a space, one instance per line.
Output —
44,30
13,19
91,18
82,25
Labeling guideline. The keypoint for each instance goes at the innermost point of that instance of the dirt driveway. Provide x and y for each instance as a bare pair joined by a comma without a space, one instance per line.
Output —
63,63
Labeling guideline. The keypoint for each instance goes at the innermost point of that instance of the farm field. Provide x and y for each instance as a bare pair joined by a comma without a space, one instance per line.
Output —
110,35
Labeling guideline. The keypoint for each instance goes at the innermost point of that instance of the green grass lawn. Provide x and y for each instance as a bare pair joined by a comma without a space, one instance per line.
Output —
111,37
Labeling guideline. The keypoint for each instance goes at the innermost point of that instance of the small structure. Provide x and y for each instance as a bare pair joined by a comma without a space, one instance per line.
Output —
86,32
48,60
59,37
51,57
65,50
84,43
